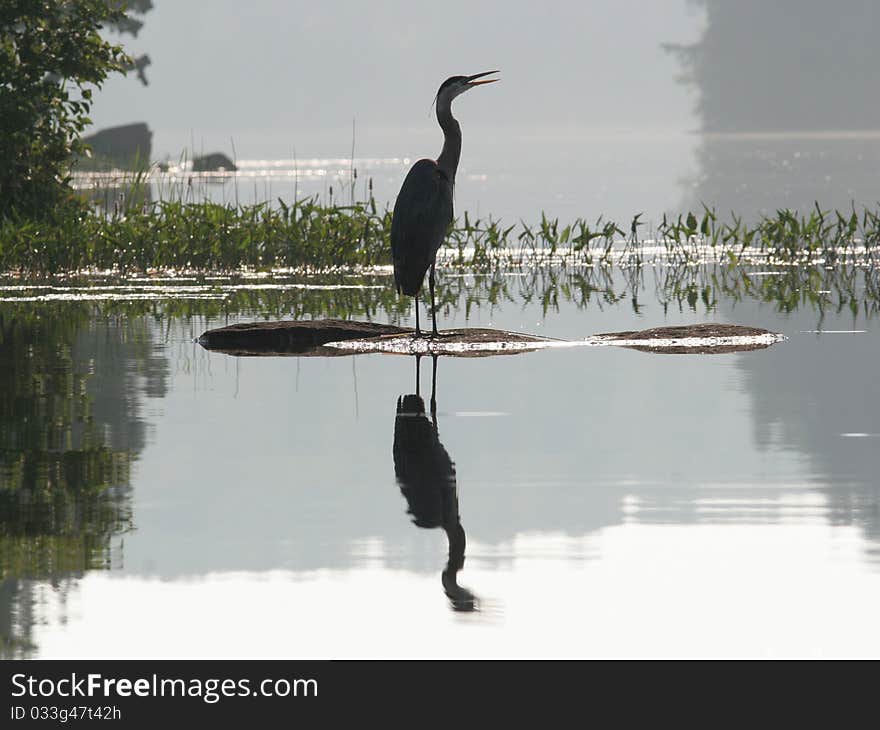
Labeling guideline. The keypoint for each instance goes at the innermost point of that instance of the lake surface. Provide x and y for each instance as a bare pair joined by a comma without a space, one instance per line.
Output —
157,499
570,172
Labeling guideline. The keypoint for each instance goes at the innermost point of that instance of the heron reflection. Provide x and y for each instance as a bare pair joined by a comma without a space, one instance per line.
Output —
426,477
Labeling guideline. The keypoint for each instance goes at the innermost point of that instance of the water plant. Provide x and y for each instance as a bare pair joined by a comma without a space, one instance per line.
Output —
220,300
136,235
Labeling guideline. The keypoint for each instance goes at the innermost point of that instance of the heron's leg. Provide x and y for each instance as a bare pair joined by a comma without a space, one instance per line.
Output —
433,305
418,332
434,389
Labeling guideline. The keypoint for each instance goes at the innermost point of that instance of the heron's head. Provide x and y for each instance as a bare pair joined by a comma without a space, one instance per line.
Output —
455,85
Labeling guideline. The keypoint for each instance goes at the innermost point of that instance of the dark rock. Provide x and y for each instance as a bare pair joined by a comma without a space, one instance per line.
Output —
309,337
214,162
707,331
303,337
711,329
126,146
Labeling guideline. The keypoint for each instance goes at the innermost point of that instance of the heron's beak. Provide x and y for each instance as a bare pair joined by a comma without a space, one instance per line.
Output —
472,82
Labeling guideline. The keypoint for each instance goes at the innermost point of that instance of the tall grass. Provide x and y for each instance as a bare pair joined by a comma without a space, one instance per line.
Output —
137,235
201,236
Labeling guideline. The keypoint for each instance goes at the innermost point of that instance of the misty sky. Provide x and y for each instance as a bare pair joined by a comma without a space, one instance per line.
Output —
275,75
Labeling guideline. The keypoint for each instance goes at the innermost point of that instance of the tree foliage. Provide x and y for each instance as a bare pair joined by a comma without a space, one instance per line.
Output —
52,56
129,23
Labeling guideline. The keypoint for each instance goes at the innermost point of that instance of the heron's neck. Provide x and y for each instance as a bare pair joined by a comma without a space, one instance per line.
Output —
451,152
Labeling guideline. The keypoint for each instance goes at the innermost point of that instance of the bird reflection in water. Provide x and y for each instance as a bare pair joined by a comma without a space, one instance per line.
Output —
426,476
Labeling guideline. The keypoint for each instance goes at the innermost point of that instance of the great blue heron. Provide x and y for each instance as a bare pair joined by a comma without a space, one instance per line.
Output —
423,210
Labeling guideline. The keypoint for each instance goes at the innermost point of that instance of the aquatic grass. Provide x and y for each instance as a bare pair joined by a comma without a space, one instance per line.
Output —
136,235
206,236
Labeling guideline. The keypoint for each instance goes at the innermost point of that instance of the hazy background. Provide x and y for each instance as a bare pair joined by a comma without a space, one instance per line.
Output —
604,108
275,74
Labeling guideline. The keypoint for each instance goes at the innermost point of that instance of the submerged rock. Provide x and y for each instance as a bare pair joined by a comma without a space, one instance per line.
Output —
329,337
693,339
471,342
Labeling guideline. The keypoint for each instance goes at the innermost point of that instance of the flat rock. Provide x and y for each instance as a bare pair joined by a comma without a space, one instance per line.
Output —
694,339
469,342
302,337
334,337
710,329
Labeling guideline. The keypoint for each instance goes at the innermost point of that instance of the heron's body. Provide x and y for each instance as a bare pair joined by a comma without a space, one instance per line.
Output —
422,215
423,210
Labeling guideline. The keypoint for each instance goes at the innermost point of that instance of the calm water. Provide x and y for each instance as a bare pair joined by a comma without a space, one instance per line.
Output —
157,499
161,500
571,172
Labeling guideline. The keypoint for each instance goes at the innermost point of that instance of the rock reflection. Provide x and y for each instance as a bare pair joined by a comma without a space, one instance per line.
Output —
426,476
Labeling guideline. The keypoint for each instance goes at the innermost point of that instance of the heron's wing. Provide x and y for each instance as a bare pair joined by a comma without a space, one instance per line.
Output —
422,215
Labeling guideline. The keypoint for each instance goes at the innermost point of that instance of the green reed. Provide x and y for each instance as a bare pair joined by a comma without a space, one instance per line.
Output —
136,235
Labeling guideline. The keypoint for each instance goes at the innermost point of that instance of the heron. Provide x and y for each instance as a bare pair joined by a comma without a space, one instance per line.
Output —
423,209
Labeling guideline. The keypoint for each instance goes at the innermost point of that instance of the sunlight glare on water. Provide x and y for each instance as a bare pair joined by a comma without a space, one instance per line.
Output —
638,591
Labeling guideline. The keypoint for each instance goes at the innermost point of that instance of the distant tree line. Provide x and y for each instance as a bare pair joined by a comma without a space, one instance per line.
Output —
785,65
